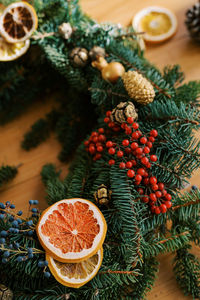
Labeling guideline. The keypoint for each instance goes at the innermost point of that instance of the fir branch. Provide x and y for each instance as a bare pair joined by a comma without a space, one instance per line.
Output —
186,204
7,173
109,92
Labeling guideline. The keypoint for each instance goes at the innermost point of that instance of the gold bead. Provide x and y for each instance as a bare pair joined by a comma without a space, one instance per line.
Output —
113,71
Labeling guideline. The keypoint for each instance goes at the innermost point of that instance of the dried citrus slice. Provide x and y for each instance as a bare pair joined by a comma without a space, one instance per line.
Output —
158,23
10,52
72,230
17,22
75,274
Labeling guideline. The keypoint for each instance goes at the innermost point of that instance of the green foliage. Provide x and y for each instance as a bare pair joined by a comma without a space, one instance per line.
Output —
187,272
7,173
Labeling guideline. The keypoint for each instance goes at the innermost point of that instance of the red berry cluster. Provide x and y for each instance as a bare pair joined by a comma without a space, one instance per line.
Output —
96,143
134,155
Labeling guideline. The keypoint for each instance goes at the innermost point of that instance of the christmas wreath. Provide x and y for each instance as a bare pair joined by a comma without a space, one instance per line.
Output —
133,130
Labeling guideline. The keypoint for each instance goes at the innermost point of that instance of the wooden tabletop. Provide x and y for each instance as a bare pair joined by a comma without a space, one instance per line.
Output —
27,185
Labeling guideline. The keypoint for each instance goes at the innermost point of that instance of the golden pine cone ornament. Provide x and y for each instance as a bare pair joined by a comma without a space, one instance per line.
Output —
138,87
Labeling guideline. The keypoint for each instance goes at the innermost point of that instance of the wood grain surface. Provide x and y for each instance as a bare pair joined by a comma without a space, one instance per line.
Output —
27,185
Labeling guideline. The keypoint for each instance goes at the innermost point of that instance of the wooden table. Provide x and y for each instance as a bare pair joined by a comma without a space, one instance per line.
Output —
27,185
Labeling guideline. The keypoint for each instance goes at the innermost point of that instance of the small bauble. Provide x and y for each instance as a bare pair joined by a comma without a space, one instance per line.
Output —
65,30
138,87
96,52
193,21
5,293
102,195
79,57
123,111
113,71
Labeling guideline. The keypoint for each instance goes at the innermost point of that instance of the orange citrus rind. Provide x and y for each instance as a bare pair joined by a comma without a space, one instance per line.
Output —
158,23
72,230
75,275
10,52
18,21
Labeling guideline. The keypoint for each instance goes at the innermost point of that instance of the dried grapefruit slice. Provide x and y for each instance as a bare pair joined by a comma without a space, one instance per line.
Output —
158,23
72,230
18,21
10,52
75,274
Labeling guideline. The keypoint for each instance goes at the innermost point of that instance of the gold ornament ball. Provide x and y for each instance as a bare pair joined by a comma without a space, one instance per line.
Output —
79,57
5,293
113,71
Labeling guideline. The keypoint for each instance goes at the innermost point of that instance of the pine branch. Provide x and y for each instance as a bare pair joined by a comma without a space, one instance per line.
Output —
7,173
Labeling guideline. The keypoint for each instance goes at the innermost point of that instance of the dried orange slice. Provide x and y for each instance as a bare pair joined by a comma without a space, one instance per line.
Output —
75,274
17,22
158,23
10,52
72,230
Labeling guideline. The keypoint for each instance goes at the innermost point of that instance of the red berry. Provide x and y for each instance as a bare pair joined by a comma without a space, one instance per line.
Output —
134,162
141,171
143,140
129,164
98,156
151,138
106,120
145,199
122,165
146,150
139,133
102,138
168,204
140,191
98,144
161,186
130,173
134,145
137,182
111,150
95,139
123,125
139,151
153,180
111,124
111,162
120,153
116,128
135,125
164,192
146,181
153,197
109,144
94,133
158,194
130,120
135,135
144,160
138,177
157,210
99,148
128,131
86,143
163,208
154,133
101,130
92,149
108,113
128,150
152,208
153,158
168,197
154,187
125,143
146,174
149,144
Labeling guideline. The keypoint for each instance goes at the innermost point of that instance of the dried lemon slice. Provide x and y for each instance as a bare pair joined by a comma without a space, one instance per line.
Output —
72,230
10,52
75,274
158,23
17,22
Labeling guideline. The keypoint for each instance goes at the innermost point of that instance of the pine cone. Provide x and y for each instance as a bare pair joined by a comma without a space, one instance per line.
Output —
138,87
123,111
193,21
